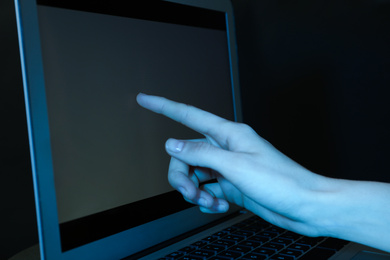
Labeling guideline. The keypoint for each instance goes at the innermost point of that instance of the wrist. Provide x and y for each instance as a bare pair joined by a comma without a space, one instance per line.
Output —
353,210
318,207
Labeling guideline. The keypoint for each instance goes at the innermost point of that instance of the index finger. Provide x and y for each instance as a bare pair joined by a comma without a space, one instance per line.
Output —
199,120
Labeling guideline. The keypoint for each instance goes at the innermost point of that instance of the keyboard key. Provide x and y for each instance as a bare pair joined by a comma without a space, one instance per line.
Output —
252,256
214,247
282,257
202,253
260,239
187,249
234,238
291,235
275,229
302,248
272,245
244,233
239,248
220,234
283,241
190,257
230,254
210,239
291,252
250,243
175,255
199,244
264,251
267,234
219,258
224,242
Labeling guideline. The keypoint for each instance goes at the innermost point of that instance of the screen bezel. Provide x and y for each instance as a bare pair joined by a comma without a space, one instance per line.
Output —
121,244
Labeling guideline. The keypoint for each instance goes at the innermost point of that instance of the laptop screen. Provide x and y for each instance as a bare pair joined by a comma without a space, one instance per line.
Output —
109,163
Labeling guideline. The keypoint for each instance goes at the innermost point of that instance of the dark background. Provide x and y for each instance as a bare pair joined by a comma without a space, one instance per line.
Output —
315,82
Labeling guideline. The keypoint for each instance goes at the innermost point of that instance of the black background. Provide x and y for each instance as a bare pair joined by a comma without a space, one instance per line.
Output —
315,82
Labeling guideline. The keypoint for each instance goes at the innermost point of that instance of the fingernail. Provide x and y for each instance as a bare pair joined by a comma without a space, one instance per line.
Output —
174,146
222,207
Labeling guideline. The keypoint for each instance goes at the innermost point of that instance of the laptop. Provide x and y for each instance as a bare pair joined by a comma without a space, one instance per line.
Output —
98,159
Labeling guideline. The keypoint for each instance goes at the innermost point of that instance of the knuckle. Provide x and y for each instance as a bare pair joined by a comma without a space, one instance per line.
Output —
173,176
194,150
239,132
203,147
185,115
244,128
238,127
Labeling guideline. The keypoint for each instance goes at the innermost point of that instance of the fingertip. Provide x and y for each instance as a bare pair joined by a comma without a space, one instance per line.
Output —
218,206
140,98
212,210
174,146
188,192
222,207
207,210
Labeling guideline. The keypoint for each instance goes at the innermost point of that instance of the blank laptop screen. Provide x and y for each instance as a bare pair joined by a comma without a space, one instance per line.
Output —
108,153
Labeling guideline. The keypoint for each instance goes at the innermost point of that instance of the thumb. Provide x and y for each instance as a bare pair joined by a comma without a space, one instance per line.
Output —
201,154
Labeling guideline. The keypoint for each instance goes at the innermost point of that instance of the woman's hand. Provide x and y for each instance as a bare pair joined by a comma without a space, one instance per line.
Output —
251,173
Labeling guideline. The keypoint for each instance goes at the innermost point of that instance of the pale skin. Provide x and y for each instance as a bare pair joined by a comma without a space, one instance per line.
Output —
251,173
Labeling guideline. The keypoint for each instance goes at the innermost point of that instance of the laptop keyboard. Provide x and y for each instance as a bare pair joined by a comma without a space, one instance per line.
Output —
254,238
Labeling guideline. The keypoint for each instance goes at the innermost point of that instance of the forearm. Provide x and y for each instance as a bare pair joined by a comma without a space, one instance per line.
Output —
357,211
